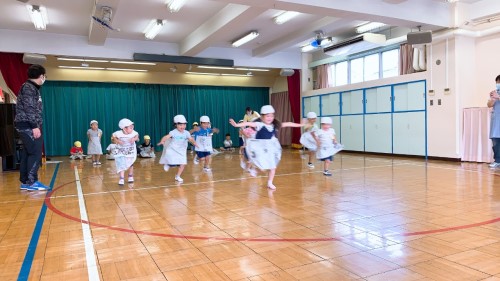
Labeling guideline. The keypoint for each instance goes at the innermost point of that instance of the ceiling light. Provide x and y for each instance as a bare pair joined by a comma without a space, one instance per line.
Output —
126,69
84,60
175,5
154,27
369,26
81,67
214,67
238,75
285,16
252,69
203,73
38,16
133,62
245,39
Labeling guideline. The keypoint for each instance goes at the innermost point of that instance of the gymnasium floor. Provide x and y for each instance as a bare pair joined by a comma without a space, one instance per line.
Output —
376,218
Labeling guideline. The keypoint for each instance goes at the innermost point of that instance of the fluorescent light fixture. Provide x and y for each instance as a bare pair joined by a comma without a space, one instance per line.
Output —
154,27
285,16
202,73
175,5
82,67
83,60
252,69
238,75
214,67
133,62
126,69
38,16
369,26
451,1
245,39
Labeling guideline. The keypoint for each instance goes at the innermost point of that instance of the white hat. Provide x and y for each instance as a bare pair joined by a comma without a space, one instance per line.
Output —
180,119
326,120
204,119
93,121
311,115
124,123
266,109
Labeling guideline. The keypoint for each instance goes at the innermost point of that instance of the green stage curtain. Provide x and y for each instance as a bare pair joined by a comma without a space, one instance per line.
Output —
70,106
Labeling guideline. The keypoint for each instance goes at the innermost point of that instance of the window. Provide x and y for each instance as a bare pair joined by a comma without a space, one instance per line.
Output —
357,70
390,63
372,67
331,75
341,73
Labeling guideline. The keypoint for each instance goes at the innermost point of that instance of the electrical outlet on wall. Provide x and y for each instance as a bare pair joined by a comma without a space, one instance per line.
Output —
447,91
431,92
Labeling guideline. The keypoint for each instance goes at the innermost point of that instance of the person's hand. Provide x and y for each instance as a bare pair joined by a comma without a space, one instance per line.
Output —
215,130
37,133
231,121
494,95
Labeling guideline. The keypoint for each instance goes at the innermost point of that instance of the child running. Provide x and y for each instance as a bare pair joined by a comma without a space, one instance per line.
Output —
309,138
265,150
175,150
203,137
94,148
327,142
126,151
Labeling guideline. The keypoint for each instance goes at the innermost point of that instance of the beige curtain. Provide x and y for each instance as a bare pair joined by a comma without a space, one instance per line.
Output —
476,143
283,113
405,59
322,76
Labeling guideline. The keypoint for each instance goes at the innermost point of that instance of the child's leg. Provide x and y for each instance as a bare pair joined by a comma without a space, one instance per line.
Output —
121,181
97,157
181,168
131,174
311,155
270,179
208,161
327,164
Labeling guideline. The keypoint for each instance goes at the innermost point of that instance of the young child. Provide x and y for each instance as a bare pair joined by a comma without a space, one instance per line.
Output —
203,137
175,150
77,151
326,148
194,127
308,138
94,148
111,149
246,164
228,143
265,149
241,142
126,152
146,149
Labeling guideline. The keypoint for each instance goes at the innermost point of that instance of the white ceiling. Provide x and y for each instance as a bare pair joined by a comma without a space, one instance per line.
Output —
207,27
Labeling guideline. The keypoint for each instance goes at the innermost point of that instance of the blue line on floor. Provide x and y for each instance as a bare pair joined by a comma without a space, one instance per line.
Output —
30,252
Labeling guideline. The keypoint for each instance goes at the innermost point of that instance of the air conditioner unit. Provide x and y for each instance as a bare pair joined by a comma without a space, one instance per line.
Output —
358,44
34,58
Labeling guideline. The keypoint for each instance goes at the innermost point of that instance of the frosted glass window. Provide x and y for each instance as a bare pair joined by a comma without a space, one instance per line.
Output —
372,67
356,70
331,75
341,73
390,63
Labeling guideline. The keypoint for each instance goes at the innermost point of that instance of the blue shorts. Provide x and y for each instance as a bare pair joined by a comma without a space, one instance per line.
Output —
202,154
327,158
241,141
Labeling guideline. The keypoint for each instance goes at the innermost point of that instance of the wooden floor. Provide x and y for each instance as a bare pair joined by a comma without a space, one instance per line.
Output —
376,218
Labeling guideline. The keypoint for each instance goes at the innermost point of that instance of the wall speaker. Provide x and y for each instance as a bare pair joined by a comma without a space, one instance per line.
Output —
286,72
34,58
420,37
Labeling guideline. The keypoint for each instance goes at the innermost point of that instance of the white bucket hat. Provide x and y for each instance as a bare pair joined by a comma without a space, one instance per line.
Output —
180,119
204,119
266,109
93,121
326,120
124,123
311,115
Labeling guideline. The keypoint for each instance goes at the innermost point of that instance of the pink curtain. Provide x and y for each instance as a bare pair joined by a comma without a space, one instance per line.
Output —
476,144
281,101
405,59
322,76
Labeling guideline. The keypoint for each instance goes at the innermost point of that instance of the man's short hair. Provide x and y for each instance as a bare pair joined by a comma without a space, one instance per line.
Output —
35,70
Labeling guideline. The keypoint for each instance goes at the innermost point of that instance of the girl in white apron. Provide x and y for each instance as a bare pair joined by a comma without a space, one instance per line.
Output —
94,148
203,137
308,139
328,145
175,147
126,151
265,150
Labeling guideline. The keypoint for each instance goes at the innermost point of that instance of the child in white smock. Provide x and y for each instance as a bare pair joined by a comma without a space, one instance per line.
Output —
309,139
94,148
328,145
126,151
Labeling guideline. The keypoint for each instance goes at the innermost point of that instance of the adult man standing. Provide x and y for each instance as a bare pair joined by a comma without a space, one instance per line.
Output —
28,123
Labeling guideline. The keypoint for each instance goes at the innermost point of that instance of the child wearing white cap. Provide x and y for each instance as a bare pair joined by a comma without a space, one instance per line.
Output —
175,147
94,148
203,137
126,151
309,138
327,142
146,149
265,150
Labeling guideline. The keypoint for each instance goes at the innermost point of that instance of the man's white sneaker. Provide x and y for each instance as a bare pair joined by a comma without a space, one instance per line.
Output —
494,165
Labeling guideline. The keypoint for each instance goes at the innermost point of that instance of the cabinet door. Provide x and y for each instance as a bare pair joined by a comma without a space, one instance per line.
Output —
416,96
378,99
310,104
352,132
336,127
409,133
401,97
352,102
330,104
378,133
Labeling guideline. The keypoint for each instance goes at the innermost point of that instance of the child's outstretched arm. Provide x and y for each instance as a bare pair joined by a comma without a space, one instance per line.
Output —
291,124
164,139
242,124
215,130
192,141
